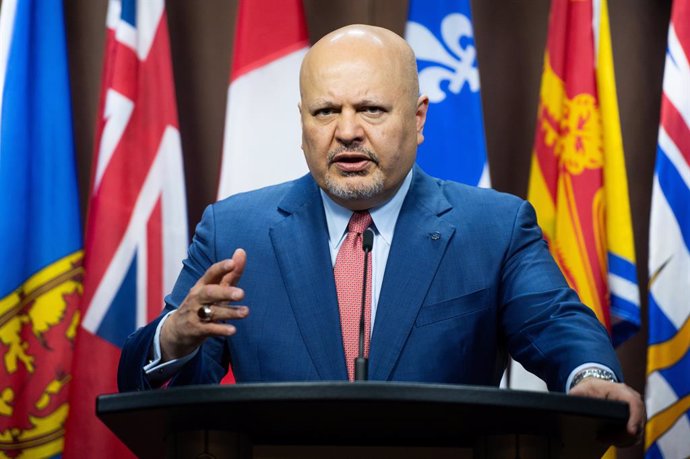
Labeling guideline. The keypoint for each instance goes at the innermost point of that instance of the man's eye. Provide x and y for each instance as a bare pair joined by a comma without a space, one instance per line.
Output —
373,110
324,112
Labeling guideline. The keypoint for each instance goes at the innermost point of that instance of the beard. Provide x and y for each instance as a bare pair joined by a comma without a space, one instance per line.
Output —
369,186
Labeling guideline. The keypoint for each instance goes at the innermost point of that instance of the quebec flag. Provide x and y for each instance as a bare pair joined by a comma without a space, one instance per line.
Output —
442,38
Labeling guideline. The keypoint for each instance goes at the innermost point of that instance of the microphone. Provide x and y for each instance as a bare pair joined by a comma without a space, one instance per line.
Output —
361,363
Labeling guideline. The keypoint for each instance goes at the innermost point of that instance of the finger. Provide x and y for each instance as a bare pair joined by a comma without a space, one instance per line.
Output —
634,428
638,415
221,330
623,393
239,259
218,294
222,313
214,274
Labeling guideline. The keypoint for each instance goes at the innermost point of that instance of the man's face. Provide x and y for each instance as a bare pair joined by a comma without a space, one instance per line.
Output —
360,127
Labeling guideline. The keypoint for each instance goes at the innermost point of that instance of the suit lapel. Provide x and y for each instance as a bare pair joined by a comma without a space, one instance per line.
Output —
420,240
300,242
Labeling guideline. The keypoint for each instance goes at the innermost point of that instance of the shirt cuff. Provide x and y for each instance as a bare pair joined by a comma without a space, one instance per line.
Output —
158,373
582,367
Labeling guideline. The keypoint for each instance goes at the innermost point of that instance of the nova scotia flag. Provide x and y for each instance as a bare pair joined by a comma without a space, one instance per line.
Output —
442,38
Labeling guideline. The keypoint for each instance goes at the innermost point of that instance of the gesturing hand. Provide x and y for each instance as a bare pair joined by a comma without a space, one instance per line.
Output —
186,328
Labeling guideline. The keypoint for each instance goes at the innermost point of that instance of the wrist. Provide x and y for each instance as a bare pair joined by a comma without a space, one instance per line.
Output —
170,344
592,373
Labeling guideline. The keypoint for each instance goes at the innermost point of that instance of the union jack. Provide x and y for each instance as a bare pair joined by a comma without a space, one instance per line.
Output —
136,232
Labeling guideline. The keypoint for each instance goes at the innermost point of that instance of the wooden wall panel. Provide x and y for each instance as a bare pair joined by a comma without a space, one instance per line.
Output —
510,39
201,37
85,24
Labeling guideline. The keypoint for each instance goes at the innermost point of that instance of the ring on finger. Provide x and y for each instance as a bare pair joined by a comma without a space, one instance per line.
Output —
205,313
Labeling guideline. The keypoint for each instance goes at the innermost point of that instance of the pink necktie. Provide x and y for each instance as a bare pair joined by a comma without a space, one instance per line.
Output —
349,271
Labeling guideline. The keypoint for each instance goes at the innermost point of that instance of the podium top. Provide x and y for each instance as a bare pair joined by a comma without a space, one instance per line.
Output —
366,413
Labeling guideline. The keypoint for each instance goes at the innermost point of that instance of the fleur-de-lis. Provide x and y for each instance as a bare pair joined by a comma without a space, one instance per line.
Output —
456,69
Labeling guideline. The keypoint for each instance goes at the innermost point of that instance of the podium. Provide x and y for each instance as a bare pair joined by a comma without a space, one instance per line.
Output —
368,419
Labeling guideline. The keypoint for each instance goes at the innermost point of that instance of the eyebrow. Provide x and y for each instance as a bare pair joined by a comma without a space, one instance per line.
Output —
370,102
322,102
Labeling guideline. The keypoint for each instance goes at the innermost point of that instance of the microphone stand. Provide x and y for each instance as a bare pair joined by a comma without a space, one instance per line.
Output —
361,362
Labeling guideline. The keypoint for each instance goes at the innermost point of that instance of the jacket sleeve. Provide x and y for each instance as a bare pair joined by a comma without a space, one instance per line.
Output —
211,363
548,329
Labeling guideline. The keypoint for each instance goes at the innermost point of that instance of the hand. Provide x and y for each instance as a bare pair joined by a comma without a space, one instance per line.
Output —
597,388
184,330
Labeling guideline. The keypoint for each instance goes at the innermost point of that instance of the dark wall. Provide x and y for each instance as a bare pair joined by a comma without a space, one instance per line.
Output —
510,37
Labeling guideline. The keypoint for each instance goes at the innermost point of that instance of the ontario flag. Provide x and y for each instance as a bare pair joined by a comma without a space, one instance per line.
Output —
136,233
578,182
262,138
668,355
40,230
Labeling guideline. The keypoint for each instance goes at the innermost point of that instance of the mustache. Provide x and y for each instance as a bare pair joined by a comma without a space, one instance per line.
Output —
352,149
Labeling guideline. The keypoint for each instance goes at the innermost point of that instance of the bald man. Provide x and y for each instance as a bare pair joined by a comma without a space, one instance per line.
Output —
461,276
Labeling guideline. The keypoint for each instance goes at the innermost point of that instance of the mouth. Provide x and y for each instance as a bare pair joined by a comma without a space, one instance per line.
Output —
352,161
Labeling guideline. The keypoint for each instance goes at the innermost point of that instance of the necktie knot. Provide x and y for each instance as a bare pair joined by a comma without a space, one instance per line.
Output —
359,222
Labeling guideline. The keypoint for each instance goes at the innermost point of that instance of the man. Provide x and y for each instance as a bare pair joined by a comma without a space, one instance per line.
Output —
468,276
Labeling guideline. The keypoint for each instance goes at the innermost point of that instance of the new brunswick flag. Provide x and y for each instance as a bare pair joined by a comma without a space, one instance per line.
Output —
578,183
40,232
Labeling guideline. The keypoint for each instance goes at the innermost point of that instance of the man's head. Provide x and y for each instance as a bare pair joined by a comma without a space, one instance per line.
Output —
362,116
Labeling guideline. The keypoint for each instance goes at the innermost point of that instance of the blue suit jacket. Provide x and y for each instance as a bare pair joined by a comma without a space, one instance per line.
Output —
468,279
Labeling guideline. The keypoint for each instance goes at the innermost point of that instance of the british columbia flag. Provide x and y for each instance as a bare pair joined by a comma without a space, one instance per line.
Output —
668,353
136,233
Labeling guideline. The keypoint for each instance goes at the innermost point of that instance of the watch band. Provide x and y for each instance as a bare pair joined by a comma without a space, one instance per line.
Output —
598,373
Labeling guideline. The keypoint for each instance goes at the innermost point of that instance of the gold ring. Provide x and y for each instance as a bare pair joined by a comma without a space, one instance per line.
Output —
205,313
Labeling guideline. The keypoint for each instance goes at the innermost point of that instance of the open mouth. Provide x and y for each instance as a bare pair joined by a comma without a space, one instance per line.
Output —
351,162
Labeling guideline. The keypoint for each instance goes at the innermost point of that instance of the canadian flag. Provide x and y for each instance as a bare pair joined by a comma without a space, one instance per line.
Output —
262,129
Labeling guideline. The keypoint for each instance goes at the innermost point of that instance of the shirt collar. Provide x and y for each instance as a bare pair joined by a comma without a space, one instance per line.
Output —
384,216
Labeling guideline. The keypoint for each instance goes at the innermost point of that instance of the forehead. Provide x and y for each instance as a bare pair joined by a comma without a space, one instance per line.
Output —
371,77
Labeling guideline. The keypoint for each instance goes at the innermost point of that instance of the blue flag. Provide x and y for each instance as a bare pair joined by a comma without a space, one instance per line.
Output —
40,232
442,38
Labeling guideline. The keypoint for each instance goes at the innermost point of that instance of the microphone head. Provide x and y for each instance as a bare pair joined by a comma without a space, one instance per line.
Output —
368,240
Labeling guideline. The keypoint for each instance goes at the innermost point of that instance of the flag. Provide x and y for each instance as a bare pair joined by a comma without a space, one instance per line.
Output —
136,231
442,38
668,360
40,229
578,182
262,130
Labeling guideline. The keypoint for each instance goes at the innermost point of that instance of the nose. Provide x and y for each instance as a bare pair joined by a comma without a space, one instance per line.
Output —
349,129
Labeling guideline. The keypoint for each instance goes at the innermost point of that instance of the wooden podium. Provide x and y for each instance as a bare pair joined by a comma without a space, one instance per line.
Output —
371,419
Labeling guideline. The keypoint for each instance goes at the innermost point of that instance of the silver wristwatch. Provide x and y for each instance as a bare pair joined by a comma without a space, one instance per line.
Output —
592,372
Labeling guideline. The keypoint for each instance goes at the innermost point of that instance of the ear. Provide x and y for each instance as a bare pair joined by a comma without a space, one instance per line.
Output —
420,115
301,121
